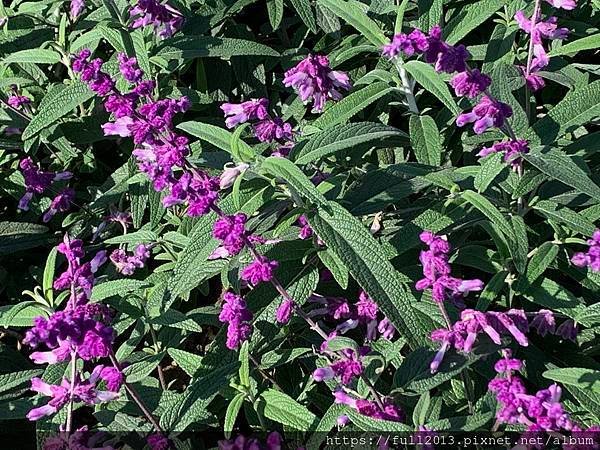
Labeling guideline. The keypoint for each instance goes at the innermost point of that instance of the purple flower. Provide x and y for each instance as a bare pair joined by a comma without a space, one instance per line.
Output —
271,130
60,203
129,68
544,322
127,264
313,80
17,101
76,8
470,83
230,174
261,269
165,19
386,328
273,442
285,310
564,4
567,330
543,29
255,109
366,308
231,230
415,42
513,151
37,181
91,73
590,258
158,442
488,113
305,229
113,377
237,315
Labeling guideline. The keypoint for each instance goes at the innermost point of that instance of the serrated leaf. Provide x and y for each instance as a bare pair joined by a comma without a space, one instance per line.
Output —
279,357
430,13
140,236
573,220
540,261
335,266
189,362
492,213
338,343
283,409
116,288
351,105
577,108
425,140
231,413
344,137
469,17
561,167
551,295
275,10
55,105
491,166
141,369
33,55
290,173
370,425
305,12
582,378
190,47
426,76
352,12
11,380
586,43
363,256
219,137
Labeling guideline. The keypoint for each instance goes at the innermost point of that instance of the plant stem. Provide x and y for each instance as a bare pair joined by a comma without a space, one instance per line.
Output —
161,375
408,87
135,396
69,422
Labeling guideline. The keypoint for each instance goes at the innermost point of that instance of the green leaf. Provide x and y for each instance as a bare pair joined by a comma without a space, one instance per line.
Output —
353,13
305,12
239,149
17,236
189,362
430,14
275,10
137,237
326,424
116,288
577,108
217,136
586,43
190,47
491,291
469,17
141,369
279,357
552,295
344,137
574,221
282,408
490,212
33,55
425,140
540,261
520,247
419,416
335,266
232,412
290,173
371,425
426,76
345,236
244,359
48,278
21,314
491,166
341,343
561,167
351,105
587,379
56,104
12,380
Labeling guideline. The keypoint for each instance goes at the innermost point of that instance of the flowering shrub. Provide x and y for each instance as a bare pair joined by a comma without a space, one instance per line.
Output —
270,222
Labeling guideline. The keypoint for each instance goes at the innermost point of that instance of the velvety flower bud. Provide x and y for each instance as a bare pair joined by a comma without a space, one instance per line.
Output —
230,174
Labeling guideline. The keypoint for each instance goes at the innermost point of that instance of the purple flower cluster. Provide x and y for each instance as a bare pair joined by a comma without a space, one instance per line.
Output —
76,8
590,258
436,271
544,322
266,128
368,408
165,19
127,264
539,412
364,312
18,101
38,181
79,331
512,150
467,82
160,152
315,82
260,270
538,30
236,314
273,442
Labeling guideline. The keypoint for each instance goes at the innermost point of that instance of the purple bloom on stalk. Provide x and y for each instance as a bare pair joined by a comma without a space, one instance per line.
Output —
76,8
415,42
237,315
127,264
313,80
165,19
285,310
305,229
260,270
157,441
255,109
60,203
129,68
366,308
567,330
513,151
488,113
113,377
591,258
37,181
91,73
386,328
544,322
271,130
17,101
470,83
546,29
231,230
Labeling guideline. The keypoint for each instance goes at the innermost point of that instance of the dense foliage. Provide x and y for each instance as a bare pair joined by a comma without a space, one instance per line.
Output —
292,218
